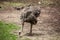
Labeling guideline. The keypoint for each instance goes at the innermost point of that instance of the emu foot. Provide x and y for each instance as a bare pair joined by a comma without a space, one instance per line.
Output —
19,33
29,34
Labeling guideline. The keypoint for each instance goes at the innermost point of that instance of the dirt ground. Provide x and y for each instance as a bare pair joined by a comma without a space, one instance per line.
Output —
47,27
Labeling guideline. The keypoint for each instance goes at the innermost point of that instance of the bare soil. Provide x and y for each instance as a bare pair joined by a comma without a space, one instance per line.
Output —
47,28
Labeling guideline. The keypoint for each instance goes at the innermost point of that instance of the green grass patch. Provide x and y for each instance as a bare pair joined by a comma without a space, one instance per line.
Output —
5,29
13,4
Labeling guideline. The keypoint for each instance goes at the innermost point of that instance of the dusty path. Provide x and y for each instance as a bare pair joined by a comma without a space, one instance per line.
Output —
43,30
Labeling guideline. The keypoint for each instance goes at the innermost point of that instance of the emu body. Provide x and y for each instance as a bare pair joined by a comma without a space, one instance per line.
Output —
29,15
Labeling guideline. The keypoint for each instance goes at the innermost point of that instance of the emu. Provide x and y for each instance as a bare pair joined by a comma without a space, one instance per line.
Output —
29,14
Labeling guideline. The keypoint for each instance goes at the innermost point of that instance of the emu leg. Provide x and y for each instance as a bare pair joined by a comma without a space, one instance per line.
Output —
22,26
31,30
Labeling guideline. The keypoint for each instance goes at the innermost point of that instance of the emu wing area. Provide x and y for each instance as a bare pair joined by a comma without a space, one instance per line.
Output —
30,14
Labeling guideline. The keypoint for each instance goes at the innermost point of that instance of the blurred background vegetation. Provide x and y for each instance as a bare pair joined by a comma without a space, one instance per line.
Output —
14,3
43,2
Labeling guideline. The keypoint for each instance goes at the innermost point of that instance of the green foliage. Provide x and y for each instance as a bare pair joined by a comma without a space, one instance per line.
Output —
5,29
13,4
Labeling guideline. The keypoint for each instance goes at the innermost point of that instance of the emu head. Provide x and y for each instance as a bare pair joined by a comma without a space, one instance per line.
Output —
18,8
37,12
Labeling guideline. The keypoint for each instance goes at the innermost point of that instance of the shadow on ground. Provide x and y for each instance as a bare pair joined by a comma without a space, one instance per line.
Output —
34,34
